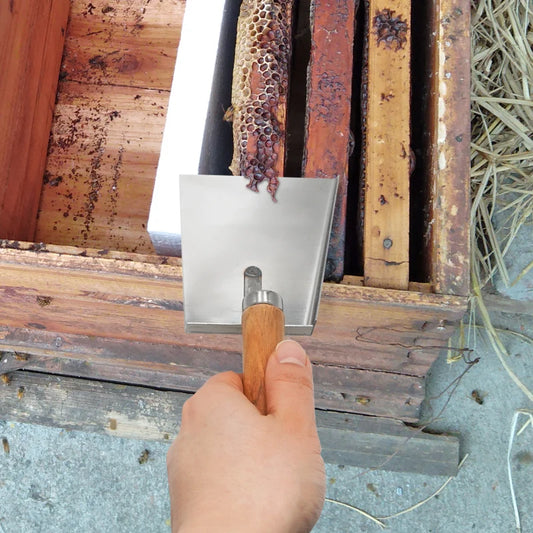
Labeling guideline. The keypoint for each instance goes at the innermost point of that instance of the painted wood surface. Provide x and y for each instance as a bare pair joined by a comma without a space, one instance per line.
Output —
31,43
386,150
144,413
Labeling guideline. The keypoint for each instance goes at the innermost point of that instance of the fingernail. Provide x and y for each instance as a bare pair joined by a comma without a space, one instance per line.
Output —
291,352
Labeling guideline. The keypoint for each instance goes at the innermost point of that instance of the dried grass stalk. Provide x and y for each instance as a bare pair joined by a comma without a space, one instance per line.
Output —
502,146
502,126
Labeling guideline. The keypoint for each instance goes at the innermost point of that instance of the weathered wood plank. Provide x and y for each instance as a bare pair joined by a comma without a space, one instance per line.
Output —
187,368
122,320
139,412
387,144
327,121
108,124
101,167
70,403
357,326
497,303
383,444
31,41
449,155
83,251
361,388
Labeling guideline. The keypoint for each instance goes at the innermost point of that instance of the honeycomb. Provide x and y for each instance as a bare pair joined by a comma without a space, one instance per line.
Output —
260,89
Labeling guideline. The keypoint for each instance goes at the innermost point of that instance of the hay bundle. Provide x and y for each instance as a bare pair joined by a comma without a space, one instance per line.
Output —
502,149
502,126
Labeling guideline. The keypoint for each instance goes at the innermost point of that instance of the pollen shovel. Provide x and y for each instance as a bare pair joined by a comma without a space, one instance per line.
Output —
252,265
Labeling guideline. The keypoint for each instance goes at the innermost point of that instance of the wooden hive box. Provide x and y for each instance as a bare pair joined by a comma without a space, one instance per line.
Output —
87,304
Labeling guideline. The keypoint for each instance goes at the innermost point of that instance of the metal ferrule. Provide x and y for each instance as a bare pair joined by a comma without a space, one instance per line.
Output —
262,297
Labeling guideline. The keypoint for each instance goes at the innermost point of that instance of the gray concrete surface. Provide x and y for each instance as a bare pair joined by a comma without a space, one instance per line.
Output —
58,481
519,257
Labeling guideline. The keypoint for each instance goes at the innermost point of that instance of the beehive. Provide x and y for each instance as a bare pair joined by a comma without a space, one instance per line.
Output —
83,292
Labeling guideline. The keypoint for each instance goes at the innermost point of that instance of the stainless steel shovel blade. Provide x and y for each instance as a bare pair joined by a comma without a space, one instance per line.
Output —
227,228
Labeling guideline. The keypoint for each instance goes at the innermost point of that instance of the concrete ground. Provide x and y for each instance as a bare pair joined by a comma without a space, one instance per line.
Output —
55,481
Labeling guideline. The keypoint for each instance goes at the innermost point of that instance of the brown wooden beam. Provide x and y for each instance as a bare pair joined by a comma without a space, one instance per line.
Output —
448,166
145,413
136,301
327,123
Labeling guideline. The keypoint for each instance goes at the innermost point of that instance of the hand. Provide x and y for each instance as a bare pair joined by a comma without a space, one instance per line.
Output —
232,469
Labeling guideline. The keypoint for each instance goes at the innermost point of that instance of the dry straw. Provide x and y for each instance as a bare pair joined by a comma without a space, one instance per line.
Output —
502,147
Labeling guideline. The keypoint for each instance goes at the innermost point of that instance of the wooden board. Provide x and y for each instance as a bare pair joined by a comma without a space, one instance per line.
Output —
186,369
387,144
123,44
327,123
31,41
108,123
144,413
101,166
83,290
371,347
448,156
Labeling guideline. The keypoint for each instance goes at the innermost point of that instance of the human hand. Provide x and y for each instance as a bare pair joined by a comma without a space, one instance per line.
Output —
231,469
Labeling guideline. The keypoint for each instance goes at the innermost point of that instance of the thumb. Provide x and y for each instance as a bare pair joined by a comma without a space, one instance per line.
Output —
289,385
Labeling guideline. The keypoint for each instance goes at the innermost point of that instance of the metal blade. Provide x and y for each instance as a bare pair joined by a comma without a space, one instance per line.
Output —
227,228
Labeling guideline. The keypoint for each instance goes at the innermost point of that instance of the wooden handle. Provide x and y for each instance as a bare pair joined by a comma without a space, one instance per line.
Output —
263,327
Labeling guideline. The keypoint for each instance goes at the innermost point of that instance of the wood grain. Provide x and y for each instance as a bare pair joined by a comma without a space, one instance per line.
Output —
263,327
102,160
31,40
122,320
385,445
387,144
147,413
182,368
87,289
448,166
108,124
327,121
123,44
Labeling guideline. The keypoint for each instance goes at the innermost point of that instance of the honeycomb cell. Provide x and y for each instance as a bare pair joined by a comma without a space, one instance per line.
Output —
260,83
